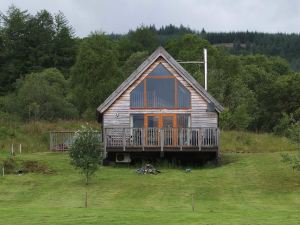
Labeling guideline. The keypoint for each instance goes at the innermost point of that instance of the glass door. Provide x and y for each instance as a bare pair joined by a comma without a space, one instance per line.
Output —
153,125
169,128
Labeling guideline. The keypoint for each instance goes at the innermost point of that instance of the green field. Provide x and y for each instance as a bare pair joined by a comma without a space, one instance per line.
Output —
252,186
249,188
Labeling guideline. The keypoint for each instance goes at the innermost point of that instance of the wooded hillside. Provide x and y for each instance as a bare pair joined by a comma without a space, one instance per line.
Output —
47,73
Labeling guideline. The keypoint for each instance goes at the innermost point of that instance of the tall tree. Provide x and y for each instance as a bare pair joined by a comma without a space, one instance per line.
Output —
14,33
95,73
32,43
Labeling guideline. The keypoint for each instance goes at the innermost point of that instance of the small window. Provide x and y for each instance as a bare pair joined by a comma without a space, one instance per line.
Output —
138,120
160,70
183,120
211,107
137,96
184,97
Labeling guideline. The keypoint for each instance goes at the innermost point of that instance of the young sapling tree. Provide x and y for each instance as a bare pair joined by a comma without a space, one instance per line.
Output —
85,152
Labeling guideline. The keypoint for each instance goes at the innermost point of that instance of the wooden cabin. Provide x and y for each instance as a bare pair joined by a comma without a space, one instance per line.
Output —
158,111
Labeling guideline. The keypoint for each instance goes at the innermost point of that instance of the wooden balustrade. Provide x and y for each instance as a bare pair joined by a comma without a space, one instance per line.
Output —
161,137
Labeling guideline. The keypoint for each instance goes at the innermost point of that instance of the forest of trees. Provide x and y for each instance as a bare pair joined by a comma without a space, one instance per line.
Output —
48,73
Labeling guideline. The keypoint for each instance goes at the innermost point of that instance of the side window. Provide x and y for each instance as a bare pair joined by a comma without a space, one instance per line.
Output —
184,97
137,96
137,120
183,120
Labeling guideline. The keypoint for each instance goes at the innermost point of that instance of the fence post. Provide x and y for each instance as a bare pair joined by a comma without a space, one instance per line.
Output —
86,200
12,149
20,148
193,203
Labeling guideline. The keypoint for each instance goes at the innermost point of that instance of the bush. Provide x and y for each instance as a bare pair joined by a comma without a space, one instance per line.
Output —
288,127
10,165
7,133
283,125
35,167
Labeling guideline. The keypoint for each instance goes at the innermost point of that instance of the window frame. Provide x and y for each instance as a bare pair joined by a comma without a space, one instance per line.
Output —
176,83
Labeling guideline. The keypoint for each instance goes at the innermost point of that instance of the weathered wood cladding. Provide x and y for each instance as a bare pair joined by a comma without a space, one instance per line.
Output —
118,114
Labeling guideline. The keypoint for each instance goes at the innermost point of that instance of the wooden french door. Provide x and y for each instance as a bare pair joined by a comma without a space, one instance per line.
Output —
156,121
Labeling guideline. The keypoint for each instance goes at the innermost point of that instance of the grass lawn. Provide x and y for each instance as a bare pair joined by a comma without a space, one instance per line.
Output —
249,188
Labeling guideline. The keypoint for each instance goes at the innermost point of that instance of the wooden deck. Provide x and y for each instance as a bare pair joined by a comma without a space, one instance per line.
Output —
161,139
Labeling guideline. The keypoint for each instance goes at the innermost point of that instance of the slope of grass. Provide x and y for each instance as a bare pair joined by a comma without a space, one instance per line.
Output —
34,136
246,189
246,142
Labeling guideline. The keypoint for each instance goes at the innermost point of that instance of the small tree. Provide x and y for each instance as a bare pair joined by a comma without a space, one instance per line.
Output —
85,152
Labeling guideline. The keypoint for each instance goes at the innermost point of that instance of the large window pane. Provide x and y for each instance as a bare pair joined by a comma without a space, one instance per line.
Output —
161,93
184,97
160,70
137,96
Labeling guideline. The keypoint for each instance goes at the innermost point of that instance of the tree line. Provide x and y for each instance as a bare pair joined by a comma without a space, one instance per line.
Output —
47,73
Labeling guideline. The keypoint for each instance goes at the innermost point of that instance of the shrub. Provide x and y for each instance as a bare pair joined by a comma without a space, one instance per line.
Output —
35,167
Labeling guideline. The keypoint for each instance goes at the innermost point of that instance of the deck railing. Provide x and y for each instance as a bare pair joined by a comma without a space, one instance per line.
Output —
63,140
161,137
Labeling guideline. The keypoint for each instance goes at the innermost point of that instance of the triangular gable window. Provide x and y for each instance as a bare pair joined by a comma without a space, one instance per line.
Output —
160,90
160,70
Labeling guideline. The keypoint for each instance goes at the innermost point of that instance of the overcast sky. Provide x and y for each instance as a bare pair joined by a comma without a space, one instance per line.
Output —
119,16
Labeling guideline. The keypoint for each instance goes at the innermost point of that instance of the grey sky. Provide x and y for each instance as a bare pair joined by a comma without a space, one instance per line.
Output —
214,15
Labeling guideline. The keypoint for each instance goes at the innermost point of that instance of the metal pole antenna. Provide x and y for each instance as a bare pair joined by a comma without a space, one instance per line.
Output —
199,62
205,67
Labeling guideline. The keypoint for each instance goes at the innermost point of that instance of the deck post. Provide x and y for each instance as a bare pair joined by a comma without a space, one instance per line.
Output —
50,144
161,139
218,143
143,138
104,143
200,139
123,139
180,138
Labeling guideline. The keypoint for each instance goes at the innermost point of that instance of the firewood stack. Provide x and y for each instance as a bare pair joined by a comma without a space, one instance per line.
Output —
147,169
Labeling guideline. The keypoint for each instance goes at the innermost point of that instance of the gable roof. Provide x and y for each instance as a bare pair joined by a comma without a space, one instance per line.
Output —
159,52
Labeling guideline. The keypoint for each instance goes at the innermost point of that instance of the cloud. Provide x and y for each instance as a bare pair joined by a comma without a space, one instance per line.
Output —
217,15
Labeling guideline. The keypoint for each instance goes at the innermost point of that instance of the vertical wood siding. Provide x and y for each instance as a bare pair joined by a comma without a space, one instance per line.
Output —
121,107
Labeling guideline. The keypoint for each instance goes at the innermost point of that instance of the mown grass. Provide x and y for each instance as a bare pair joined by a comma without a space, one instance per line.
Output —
250,188
247,189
